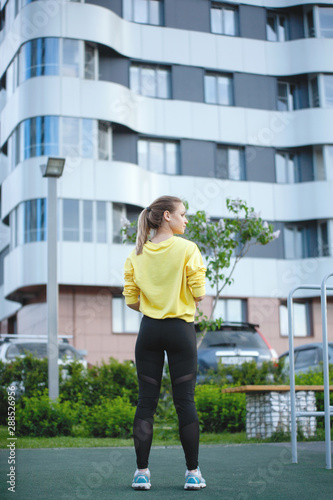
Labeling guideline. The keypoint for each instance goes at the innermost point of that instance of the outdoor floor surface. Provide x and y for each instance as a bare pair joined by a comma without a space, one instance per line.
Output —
232,472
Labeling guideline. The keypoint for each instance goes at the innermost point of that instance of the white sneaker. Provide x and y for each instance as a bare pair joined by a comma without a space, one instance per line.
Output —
194,480
141,480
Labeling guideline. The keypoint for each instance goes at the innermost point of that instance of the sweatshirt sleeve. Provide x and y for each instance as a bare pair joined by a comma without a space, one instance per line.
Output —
131,290
195,273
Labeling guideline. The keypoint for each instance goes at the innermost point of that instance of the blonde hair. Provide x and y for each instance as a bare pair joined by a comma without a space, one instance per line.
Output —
152,217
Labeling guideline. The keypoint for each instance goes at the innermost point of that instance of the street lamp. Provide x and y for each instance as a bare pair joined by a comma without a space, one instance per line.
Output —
52,170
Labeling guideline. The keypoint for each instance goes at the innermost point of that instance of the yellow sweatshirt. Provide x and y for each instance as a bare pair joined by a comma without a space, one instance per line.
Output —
167,276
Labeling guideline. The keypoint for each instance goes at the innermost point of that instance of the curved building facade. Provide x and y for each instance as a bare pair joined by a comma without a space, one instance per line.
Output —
195,98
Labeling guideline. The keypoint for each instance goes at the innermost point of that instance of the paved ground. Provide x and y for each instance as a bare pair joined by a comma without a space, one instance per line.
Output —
235,472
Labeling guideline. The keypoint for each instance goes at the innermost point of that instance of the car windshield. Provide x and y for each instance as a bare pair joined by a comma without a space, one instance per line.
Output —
233,338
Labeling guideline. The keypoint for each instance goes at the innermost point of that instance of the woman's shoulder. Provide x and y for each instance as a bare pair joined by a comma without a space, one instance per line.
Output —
186,244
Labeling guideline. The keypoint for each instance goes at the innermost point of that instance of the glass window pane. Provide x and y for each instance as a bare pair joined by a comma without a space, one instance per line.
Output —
70,221
70,136
156,157
323,239
291,163
283,321
101,221
326,21
320,174
288,235
282,96
87,221
141,11
299,235
148,82
117,314
135,79
132,320
280,168
222,163
70,57
143,154
235,166
127,10
300,320
224,90
271,28
154,12
87,145
328,83
117,213
210,89
163,83
310,24
234,310
50,56
103,141
31,227
229,21
89,62
314,93
216,20
220,310
20,233
282,29
171,157
50,139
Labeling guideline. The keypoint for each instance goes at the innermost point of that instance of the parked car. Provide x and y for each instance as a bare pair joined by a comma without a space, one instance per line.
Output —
233,344
12,348
308,357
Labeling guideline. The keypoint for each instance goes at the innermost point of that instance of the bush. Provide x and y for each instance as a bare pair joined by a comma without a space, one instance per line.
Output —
39,416
111,418
220,412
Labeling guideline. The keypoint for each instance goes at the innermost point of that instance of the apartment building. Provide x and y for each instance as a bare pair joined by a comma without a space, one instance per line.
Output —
195,98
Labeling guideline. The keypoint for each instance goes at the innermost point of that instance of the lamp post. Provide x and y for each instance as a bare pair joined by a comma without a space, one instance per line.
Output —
52,170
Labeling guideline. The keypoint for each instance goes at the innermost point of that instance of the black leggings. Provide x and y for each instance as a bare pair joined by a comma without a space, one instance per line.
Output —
178,339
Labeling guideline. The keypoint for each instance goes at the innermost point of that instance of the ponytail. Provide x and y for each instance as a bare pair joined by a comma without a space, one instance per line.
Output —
152,217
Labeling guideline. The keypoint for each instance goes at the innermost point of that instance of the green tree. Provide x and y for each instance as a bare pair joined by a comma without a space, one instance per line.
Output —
223,243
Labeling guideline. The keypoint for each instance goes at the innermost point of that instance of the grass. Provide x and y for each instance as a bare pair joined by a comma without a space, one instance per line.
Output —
91,442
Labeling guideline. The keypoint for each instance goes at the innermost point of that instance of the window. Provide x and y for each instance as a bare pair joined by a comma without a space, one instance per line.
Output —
328,89
314,93
40,136
38,57
218,89
231,310
3,255
143,11
323,243
118,213
296,244
287,96
230,163
309,24
326,21
223,20
159,157
287,168
70,220
104,140
89,61
124,319
101,222
302,319
70,57
276,27
87,221
29,222
319,164
150,81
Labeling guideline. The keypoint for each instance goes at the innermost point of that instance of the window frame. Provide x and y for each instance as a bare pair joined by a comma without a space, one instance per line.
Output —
226,303
296,169
164,143
242,162
217,76
131,16
223,7
125,312
278,15
151,67
294,254
283,318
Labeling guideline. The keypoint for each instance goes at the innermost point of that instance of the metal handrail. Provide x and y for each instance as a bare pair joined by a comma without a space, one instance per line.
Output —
293,412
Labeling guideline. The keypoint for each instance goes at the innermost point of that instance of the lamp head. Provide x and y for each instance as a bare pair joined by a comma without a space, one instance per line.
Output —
54,167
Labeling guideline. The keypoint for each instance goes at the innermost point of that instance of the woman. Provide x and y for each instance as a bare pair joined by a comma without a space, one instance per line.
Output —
164,279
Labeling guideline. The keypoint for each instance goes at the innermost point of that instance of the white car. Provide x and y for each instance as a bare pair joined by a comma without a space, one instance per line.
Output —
13,348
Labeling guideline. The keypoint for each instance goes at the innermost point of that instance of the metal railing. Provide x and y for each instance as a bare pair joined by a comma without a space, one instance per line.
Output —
328,411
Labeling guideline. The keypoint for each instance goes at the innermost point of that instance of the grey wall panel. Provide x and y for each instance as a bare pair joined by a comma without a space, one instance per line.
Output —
254,91
187,14
252,22
187,83
296,23
113,68
273,250
260,164
115,5
197,158
124,144
306,163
